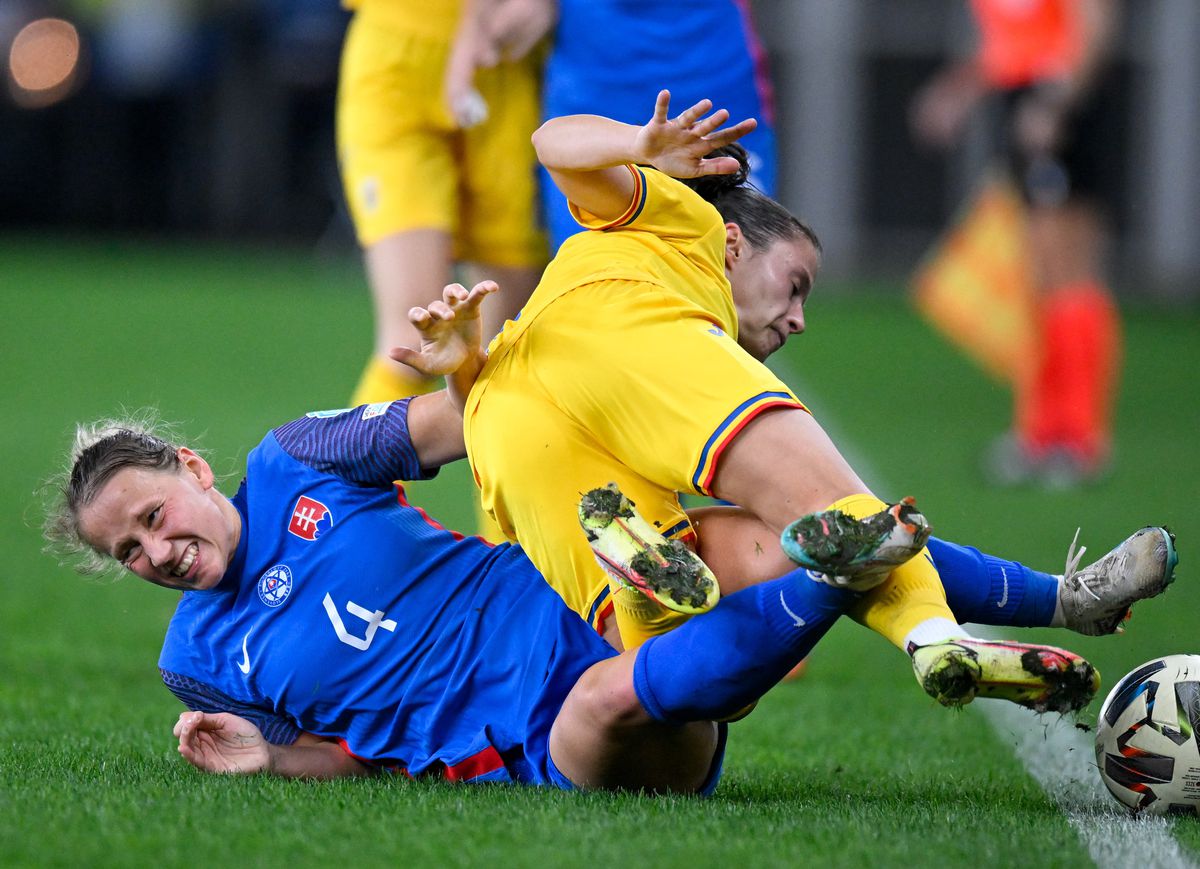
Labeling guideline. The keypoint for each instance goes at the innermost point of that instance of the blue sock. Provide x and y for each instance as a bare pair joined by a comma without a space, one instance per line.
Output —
716,664
988,590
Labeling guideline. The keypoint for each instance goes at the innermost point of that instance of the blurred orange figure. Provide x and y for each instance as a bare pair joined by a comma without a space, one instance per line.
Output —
1044,60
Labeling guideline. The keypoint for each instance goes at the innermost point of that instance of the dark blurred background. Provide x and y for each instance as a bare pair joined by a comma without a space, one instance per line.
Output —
214,118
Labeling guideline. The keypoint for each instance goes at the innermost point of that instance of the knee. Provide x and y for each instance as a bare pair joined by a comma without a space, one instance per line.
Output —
607,697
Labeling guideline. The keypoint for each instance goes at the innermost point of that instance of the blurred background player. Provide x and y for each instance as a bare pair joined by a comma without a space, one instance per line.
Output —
1044,62
436,103
719,57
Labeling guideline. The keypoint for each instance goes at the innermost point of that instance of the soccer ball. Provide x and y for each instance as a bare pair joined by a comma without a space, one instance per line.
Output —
1146,739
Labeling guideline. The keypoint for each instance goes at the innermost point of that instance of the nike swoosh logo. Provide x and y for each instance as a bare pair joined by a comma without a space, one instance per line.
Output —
244,664
799,622
1003,597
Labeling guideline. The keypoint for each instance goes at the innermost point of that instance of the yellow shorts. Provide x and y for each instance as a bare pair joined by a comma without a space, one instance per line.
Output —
406,166
616,381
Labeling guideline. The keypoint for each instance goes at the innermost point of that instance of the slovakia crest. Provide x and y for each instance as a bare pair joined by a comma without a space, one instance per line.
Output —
275,585
310,519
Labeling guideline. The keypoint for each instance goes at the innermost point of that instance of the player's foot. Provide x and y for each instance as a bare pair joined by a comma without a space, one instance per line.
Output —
1008,462
1041,678
1096,599
631,551
856,553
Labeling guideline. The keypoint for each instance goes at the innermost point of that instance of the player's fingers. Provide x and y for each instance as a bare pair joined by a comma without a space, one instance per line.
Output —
405,356
690,115
454,291
419,317
662,104
440,311
481,289
719,166
732,134
706,125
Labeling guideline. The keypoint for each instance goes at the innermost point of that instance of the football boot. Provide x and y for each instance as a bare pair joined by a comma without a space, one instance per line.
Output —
1096,599
632,551
1041,678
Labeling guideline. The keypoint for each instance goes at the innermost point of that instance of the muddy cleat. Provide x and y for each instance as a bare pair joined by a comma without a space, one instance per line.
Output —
856,553
1041,678
1096,599
631,551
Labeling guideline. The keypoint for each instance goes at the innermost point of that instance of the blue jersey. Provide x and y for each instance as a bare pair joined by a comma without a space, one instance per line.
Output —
348,613
611,57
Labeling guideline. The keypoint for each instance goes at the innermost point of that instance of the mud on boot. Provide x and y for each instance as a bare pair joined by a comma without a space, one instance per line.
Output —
635,554
1041,678
856,553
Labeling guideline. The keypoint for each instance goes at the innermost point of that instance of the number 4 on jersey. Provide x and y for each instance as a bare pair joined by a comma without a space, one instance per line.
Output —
373,618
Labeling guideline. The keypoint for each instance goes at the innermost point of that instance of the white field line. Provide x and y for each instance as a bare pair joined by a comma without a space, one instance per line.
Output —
1062,760
1058,756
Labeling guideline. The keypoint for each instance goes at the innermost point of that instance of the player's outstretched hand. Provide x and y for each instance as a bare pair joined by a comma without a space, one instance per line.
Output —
677,146
451,330
221,742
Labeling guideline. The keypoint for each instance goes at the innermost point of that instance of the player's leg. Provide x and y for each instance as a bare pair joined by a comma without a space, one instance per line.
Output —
1093,600
980,588
401,269
499,230
909,606
630,721
399,177
1064,415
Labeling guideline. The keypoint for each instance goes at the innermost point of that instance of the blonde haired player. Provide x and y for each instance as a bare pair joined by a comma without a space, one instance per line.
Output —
638,360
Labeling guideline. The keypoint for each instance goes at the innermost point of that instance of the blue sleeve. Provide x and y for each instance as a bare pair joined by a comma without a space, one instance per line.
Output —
367,445
201,697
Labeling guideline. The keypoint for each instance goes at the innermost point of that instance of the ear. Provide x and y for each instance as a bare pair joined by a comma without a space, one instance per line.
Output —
735,245
195,465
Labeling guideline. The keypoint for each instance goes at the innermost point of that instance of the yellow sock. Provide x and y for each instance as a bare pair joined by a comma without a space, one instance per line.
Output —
383,380
911,594
640,618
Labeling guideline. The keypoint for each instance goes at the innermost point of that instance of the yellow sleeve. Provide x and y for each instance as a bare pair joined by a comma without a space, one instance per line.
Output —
660,205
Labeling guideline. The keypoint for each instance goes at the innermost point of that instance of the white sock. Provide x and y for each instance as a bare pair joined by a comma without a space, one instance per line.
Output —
1058,620
934,631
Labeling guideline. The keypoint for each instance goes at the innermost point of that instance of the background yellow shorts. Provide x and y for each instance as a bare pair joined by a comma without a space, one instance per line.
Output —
406,166
615,381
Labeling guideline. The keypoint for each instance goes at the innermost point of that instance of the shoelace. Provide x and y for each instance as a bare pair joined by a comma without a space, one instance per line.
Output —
1073,559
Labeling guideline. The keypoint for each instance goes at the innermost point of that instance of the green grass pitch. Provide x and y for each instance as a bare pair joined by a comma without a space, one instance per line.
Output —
850,766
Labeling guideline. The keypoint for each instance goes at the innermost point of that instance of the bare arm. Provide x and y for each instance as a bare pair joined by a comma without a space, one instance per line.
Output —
586,154
225,743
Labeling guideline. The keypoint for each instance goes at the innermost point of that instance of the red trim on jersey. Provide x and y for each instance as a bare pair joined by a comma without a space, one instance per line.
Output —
474,766
480,763
706,483
457,535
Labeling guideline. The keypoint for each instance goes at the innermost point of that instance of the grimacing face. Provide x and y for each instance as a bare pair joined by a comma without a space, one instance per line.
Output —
170,527
770,286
